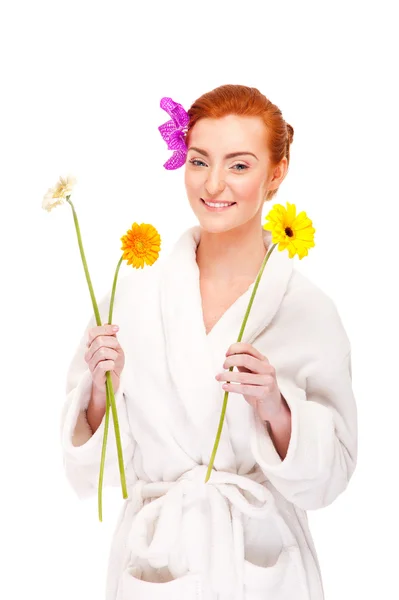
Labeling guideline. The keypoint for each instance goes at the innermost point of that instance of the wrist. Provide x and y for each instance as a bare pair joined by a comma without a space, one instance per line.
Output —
281,418
279,429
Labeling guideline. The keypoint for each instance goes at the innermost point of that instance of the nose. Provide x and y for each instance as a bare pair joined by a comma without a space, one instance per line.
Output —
215,182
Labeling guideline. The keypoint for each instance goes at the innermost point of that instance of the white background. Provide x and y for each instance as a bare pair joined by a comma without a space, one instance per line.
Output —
82,82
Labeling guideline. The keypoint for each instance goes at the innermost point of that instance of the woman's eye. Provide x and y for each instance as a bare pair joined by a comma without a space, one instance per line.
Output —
197,162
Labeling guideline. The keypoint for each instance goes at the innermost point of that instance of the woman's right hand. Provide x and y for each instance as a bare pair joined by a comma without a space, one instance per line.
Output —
103,354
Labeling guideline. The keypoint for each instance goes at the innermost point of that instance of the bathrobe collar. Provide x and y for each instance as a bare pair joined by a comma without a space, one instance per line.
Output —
194,357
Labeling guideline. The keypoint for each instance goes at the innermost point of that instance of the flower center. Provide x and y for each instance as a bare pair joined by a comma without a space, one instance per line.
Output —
289,231
139,247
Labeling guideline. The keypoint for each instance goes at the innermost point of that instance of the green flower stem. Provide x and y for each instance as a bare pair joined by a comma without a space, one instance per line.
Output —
104,447
109,388
222,414
82,254
111,404
111,304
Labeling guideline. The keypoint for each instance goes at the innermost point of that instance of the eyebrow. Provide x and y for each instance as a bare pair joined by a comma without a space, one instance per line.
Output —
231,155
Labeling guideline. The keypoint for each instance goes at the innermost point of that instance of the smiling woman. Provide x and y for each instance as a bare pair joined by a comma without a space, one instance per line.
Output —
289,443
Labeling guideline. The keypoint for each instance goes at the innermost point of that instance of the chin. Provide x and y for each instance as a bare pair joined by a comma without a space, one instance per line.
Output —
212,227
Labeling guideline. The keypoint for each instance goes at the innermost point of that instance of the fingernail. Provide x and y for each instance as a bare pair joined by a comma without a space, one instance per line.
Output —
115,328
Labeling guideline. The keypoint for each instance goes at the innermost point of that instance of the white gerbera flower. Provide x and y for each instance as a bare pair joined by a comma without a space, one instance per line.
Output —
56,196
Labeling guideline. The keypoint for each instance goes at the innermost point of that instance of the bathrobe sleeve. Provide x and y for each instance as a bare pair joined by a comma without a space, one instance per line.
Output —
322,452
82,449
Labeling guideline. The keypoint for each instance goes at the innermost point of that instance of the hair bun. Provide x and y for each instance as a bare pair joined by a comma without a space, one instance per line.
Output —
290,132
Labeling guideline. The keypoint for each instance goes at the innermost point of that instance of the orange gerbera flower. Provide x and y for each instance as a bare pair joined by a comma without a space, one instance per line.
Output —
141,245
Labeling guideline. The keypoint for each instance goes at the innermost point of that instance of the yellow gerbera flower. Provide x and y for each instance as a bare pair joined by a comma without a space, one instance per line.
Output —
289,230
56,196
141,245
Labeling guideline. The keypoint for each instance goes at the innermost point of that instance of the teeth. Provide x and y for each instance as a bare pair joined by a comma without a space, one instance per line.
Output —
218,204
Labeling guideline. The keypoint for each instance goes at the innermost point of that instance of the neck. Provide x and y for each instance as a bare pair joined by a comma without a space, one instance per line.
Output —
231,255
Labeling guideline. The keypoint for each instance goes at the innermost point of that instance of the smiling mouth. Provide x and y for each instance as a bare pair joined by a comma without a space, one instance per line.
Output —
226,205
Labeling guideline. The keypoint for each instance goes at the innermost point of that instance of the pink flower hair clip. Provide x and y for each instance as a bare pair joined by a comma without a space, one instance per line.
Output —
173,132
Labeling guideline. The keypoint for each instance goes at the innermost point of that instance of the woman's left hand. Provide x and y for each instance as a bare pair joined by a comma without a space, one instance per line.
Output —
257,378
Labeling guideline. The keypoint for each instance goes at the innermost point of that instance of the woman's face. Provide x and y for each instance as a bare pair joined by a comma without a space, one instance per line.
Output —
212,175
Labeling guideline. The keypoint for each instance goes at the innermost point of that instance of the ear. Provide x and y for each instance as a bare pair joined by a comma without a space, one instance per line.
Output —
279,173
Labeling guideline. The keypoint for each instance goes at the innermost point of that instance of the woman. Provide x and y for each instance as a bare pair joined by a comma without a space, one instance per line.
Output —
289,441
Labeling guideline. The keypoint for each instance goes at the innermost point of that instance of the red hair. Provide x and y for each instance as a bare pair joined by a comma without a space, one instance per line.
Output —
246,101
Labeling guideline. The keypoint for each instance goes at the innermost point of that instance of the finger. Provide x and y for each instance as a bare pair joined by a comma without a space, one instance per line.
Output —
100,330
245,348
244,378
109,341
100,370
102,355
249,362
255,391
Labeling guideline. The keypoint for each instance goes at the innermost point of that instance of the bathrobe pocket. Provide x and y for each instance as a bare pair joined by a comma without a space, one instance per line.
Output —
282,581
131,587
273,565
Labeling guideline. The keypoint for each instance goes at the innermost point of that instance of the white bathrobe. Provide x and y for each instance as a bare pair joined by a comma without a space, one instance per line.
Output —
244,534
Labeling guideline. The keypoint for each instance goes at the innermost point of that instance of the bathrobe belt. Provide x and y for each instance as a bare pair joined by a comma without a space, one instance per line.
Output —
222,554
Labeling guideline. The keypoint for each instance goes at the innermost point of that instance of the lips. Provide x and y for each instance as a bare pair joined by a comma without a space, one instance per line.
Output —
219,202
